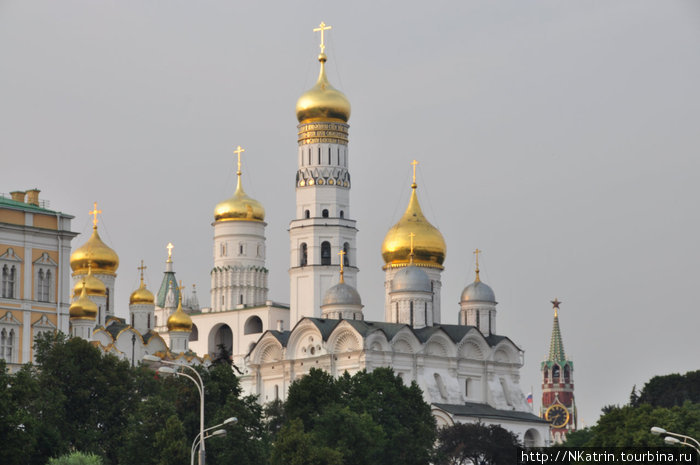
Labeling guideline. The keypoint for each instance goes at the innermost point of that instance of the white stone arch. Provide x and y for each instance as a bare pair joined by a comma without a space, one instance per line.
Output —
532,438
505,352
377,341
405,342
155,343
270,351
253,325
439,344
220,333
305,340
473,348
344,339
442,418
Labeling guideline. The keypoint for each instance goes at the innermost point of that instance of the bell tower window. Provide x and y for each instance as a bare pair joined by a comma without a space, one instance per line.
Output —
303,254
325,253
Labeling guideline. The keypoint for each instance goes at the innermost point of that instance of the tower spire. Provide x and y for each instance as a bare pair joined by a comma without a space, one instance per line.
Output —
556,346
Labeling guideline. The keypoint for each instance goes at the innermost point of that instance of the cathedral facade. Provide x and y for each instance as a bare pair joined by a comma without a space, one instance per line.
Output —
467,371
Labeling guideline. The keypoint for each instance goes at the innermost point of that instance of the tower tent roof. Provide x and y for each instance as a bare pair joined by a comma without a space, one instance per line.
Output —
556,345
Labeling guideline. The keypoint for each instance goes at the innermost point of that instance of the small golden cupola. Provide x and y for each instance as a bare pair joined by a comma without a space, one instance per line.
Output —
323,102
429,246
141,296
180,321
240,207
103,259
92,285
83,308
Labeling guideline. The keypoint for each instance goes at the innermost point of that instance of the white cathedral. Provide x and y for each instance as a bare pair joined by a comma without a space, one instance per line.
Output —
467,371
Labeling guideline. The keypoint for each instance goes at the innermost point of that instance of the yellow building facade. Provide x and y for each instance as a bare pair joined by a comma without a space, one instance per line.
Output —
35,246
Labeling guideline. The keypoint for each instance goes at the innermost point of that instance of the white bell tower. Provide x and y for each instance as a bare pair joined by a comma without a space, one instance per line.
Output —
322,223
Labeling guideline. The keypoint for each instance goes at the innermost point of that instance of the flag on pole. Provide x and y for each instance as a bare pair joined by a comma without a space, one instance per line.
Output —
529,398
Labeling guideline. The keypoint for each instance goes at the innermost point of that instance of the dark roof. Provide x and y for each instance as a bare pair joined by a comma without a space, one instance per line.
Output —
114,326
476,410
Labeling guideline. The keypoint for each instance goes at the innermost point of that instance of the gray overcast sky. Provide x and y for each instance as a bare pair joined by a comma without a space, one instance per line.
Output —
559,137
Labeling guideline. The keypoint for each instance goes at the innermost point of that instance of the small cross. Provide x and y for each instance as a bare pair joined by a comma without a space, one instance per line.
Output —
322,27
170,251
238,152
141,268
180,288
414,163
342,260
477,252
94,213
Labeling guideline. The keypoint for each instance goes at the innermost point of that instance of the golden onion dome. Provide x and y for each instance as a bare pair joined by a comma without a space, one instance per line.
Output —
141,296
92,285
240,207
428,244
323,102
83,308
104,260
179,320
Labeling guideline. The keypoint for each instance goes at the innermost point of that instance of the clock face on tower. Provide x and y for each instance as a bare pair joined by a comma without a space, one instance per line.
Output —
557,415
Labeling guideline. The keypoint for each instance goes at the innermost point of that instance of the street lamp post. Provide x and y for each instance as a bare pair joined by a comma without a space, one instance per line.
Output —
200,387
198,439
672,438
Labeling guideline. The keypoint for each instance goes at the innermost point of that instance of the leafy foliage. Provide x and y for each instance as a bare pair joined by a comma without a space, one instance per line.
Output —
670,402
77,458
82,400
369,418
467,443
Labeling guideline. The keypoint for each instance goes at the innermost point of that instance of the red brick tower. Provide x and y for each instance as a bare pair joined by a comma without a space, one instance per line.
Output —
558,405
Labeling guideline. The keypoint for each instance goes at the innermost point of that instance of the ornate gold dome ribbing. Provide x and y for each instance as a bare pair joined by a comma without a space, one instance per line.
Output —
104,260
323,102
179,320
83,308
240,207
141,295
92,285
428,245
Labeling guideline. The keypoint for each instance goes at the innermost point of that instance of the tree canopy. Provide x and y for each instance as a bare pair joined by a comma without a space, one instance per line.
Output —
467,443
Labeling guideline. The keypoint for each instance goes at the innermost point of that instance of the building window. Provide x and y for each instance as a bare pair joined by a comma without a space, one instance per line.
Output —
396,310
132,320
342,214
194,334
240,249
222,252
307,214
325,253
43,285
303,254
106,302
478,319
240,299
7,344
346,256
253,325
319,155
148,322
411,314
329,155
555,374
466,387
567,374
9,274
324,213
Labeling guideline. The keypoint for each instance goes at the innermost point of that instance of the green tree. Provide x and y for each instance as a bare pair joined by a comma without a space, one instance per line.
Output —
171,444
309,395
670,390
296,447
77,458
466,443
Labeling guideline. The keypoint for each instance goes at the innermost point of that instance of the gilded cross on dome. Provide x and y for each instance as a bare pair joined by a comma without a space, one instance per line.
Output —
180,288
170,247
411,235
94,214
238,152
414,163
141,268
342,260
322,27
477,252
